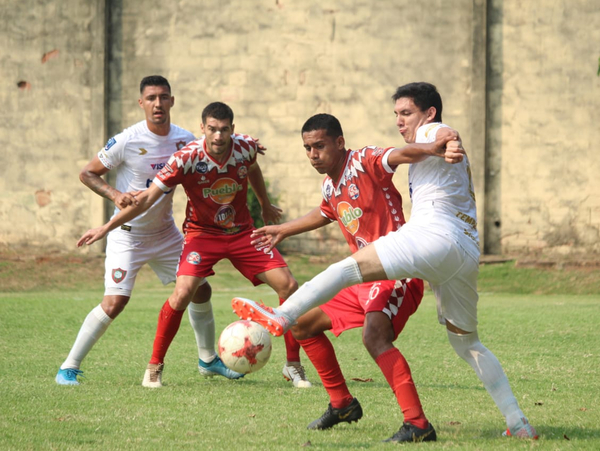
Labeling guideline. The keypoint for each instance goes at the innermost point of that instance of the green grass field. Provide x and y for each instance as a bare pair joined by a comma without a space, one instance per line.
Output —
547,339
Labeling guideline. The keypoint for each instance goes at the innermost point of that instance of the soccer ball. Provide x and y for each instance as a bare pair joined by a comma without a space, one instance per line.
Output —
245,346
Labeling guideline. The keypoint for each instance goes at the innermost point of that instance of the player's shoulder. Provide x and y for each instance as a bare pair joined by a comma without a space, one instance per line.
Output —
133,131
178,132
427,132
244,144
244,140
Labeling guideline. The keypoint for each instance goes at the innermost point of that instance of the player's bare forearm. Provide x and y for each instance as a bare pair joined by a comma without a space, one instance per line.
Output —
97,184
145,200
272,235
257,182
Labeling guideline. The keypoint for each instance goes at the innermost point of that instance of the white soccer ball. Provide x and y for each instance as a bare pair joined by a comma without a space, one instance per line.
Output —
245,346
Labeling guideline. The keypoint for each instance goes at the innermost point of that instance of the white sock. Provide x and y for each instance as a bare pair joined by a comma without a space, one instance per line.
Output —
93,327
321,288
489,371
203,323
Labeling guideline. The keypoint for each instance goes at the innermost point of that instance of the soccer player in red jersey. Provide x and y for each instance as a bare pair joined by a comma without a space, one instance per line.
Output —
359,194
214,171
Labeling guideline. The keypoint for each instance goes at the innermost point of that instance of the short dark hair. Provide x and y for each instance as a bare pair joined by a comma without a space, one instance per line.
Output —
424,95
217,110
325,122
154,80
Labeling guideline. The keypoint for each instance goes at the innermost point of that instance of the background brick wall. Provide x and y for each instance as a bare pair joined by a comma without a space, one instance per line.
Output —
527,112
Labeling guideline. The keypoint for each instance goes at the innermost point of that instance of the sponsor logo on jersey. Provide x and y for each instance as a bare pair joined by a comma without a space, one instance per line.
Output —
242,172
180,145
193,258
201,167
157,166
118,274
223,191
349,216
203,180
143,151
353,192
225,217
111,142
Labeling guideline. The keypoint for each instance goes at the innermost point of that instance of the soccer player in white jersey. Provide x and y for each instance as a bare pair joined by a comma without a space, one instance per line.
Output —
215,172
438,244
137,154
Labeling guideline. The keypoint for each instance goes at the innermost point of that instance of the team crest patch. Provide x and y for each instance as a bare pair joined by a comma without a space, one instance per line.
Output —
201,167
193,258
111,142
242,172
353,192
118,275
180,145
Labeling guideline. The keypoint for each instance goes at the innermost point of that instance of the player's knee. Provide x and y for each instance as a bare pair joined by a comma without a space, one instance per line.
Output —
377,340
181,297
114,305
288,288
466,345
203,293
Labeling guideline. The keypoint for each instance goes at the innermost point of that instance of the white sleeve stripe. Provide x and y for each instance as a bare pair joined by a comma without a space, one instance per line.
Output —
384,161
161,185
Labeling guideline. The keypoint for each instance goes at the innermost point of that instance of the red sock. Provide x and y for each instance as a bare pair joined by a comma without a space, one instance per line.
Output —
322,355
168,325
292,347
397,372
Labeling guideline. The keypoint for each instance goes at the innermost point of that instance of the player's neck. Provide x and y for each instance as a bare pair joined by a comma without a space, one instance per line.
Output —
336,173
159,129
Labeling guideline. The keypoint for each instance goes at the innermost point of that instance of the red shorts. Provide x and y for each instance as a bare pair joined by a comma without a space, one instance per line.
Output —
397,299
201,252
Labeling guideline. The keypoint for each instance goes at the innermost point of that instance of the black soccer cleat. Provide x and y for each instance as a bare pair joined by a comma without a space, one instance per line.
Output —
410,433
331,417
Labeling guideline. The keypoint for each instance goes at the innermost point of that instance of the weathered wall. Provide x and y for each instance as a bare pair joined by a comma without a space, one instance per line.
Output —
49,123
547,99
277,62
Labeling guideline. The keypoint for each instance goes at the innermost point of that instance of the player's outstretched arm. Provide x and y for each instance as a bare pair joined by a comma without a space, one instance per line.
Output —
269,236
145,200
270,213
91,176
414,153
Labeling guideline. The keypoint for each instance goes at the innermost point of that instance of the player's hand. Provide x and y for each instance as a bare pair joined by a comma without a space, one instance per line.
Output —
454,151
266,238
271,214
92,235
259,147
123,200
448,145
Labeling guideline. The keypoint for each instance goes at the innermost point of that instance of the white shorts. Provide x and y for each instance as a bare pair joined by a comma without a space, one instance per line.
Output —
126,253
425,253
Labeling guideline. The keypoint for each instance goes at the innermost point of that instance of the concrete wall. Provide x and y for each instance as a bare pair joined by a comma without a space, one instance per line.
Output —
276,63
546,98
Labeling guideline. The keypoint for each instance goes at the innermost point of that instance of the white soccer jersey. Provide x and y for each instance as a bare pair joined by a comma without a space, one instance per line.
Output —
137,154
442,194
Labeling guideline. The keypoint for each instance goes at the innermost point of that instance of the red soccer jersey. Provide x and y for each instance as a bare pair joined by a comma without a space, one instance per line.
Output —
216,192
365,202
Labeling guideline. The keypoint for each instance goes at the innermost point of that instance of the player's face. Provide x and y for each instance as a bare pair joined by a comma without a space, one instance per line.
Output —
218,136
156,101
326,154
409,118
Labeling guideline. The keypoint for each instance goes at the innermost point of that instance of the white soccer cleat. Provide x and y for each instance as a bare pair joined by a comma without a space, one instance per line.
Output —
294,371
522,430
270,318
153,375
